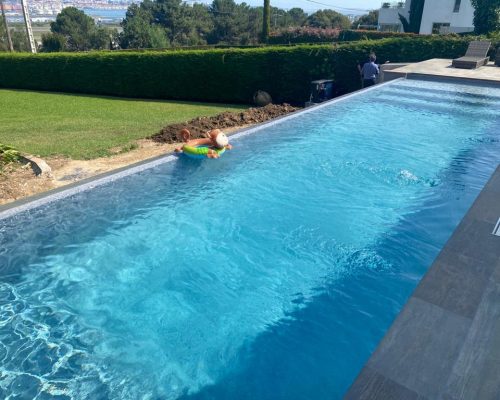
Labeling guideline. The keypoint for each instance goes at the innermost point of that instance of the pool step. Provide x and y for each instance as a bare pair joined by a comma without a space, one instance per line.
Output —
433,106
405,88
440,97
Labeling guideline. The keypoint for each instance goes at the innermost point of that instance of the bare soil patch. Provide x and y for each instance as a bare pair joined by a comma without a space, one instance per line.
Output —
199,126
18,181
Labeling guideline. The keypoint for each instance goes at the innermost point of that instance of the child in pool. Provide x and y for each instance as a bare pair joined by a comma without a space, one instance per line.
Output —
215,139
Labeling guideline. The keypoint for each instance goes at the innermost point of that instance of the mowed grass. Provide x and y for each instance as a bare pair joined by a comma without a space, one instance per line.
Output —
86,127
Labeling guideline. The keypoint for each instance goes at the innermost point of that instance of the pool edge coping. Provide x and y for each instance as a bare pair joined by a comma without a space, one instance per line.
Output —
37,200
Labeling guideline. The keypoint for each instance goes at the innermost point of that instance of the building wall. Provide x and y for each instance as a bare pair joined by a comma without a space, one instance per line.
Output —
464,20
435,11
441,11
390,16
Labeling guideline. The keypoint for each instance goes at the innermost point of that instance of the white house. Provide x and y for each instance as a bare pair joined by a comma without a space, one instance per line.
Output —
439,16
388,15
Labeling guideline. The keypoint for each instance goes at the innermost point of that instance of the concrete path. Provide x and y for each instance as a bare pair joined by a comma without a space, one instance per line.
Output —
441,68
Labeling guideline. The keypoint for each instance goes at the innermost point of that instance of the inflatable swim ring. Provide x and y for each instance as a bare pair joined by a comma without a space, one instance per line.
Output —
200,151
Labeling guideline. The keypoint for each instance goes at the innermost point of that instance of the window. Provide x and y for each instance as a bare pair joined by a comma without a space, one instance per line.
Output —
457,6
440,28
390,27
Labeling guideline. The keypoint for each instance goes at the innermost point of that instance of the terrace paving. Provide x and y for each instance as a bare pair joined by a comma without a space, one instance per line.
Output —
441,68
445,343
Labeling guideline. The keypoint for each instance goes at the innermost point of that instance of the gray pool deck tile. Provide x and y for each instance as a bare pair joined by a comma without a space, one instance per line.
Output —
473,238
445,343
457,283
441,68
493,185
374,383
476,374
487,206
408,352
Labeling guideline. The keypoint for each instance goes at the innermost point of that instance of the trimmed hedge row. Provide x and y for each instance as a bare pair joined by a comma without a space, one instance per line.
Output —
307,34
231,75
350,35
303,34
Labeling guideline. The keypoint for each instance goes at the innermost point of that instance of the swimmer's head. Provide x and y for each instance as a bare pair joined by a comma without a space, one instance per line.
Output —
185,134
219,138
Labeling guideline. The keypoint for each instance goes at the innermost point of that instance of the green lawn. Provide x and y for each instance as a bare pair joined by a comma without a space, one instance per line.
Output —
85,127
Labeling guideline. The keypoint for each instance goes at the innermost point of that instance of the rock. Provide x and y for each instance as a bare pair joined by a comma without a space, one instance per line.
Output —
39,166
261,98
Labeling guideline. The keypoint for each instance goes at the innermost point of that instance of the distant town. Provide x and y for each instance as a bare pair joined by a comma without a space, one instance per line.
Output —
105,11
47,10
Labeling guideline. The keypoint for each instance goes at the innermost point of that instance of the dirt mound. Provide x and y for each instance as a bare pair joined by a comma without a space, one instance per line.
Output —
200,125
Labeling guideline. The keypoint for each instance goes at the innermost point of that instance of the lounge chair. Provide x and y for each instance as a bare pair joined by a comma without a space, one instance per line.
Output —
475,57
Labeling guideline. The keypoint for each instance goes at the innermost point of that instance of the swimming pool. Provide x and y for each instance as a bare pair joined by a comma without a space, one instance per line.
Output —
271,273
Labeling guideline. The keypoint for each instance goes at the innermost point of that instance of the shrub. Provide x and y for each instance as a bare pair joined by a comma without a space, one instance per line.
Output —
217,75
8,154
351,35
307,34
304,34
53,42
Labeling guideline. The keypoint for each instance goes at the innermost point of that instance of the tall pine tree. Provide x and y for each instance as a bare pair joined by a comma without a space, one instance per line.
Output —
266,23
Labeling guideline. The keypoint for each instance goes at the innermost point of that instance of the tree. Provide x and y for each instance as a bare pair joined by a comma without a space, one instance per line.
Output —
416,11
229,21
266,21
193,26
328,19
79,30
139,29
486,16
53,42
370,19
160,23
4,30
296,17
19,40
253,25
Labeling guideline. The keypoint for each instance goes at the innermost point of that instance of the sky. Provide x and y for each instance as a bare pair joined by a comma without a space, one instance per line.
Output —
343,6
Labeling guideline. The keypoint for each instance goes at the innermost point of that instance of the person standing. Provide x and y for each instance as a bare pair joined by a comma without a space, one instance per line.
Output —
367,60
369,72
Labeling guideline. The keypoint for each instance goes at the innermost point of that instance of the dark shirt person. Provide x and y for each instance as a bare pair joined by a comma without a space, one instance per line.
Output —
370,72
367,61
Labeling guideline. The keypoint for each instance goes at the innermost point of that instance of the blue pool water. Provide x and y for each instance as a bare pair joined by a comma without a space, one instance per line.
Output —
271,273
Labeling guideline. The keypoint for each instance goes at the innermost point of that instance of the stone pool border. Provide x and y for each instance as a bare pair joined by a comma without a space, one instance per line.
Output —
38,200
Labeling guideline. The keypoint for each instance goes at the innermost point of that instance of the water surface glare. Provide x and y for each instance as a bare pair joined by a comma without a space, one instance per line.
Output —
271,273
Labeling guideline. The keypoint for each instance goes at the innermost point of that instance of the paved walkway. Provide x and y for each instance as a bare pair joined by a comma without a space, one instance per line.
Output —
445,343
441,68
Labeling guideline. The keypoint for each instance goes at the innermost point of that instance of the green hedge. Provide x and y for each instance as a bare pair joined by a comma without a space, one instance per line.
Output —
230,75
304,35
308,35
350,35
